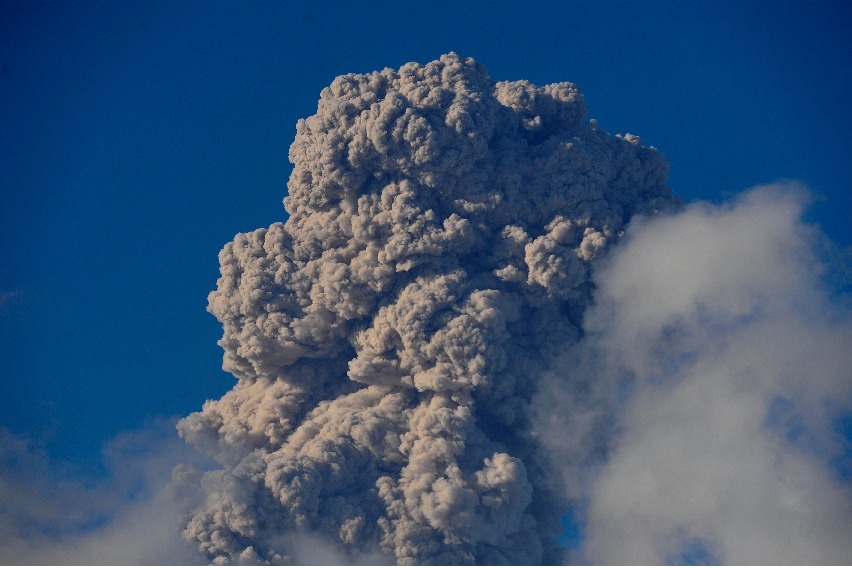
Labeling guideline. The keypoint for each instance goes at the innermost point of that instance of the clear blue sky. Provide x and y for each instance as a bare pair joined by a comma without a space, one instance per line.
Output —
136,138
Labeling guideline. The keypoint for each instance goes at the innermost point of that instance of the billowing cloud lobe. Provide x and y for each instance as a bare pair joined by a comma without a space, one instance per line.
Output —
736,358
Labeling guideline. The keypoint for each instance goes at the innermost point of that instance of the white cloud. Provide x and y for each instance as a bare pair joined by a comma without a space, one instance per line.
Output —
715,343
52,514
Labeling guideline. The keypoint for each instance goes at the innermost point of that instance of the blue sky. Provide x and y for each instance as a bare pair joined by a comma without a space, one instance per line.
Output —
138,137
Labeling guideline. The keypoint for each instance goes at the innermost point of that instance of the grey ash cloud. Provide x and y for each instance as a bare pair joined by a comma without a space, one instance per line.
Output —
388,338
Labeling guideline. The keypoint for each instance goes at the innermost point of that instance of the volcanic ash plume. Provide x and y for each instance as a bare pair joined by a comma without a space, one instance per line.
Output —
389,336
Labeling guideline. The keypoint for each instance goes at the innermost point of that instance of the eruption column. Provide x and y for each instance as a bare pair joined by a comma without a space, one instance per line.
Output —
387,338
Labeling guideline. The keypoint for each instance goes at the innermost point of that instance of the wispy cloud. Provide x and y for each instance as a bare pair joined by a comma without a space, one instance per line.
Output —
8,296
53,514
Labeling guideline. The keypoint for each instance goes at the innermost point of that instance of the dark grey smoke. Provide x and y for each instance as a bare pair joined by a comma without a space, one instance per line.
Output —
389,336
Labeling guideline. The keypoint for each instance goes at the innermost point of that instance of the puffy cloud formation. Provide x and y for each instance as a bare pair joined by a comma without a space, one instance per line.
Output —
388,338
725,363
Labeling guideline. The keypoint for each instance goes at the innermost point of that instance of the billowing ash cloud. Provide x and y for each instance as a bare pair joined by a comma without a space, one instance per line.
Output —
389,336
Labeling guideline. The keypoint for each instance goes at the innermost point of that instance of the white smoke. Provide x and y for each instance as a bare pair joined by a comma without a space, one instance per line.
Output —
388,338
726,361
